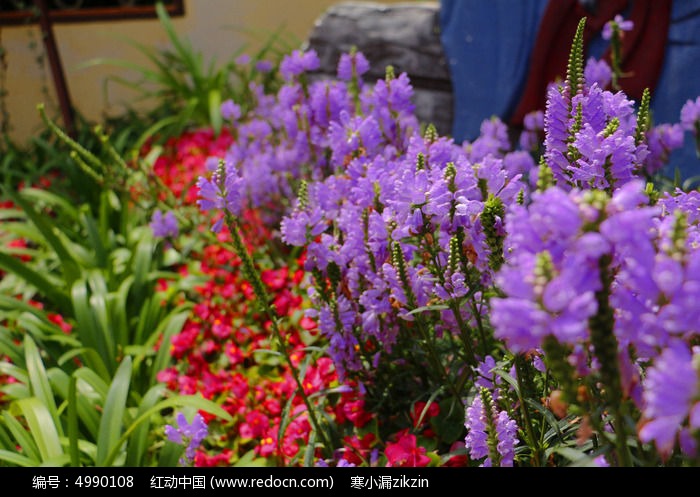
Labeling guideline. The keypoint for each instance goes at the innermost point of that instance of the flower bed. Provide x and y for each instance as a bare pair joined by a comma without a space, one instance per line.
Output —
330,282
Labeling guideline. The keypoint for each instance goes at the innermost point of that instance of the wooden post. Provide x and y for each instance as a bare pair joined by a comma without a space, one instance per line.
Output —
59,79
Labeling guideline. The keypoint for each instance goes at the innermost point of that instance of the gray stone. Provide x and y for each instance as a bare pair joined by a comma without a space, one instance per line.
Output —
405,36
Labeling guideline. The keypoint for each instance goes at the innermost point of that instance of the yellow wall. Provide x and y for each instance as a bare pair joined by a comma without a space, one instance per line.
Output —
216,28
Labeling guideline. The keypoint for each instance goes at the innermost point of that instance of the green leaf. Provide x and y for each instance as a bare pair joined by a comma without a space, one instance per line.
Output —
44,285
196,401
96,383
170,327
215,117
249,460
17,459
576,457
41,387
83,404
70,267
170,455
138,448
112,421
72,421
548,415
57,202
425,308
9,348
43,427
22,437
89,325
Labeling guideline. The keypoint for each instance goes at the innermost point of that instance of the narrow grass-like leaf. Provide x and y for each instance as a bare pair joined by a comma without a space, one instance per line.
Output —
43,427
170,454
9,348
44,285
149,318
83,403
138,443
249,459
172,326
72,423
41,387
15,459
215,119
15,372
548,416
118,308
22,437
95,382
89,327
196,401
112,422
57,202
6,441
89,356
576,457
70,267
94,239
14,304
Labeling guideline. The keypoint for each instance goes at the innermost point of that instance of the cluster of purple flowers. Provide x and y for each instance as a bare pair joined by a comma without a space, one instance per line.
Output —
414,239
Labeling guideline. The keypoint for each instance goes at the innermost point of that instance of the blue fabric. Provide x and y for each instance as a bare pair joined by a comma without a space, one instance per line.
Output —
487,45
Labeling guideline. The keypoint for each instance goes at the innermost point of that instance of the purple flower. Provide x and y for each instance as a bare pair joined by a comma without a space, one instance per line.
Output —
188,435
669,391
164,225
242,60
264,66
299,62
690,115
661,141
493,139
230,110
224,191
597,72
557,120
507,435
476,439
533,125
352,65
485,423
617,22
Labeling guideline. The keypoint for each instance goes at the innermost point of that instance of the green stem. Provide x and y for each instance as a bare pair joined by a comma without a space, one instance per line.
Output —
606,348
523,389
263,302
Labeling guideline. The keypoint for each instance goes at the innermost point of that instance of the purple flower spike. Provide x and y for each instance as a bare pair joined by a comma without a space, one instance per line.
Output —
351,65
299,62
481,422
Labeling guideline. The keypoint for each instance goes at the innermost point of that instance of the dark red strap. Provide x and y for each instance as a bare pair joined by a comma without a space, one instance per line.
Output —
643,47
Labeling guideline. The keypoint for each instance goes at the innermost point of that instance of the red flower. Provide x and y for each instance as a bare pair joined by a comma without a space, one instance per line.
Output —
418,409
357,449
355,412
405,453
457,460
256,423
58,319
275,279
